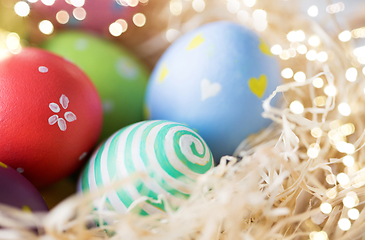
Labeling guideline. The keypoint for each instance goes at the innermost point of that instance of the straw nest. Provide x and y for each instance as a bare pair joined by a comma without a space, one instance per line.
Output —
290,181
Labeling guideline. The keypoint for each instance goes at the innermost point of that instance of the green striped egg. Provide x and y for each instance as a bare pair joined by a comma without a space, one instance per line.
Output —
171,156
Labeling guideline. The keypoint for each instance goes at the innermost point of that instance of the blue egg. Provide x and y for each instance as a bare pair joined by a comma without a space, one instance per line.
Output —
214,79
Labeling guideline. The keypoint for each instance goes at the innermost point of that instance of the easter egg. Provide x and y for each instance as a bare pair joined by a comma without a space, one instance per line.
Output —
118,76
94,15
170,155
50,115
18,192
214,79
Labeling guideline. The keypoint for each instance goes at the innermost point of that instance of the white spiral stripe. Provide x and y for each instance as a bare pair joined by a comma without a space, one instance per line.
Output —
139,165
113,197
91,178
185,143
173,158
150,149
129,187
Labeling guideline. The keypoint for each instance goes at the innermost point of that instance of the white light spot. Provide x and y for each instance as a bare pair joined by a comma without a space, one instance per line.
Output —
316,132
326,208
314,41
123,23
345,36
172,34
300,76
351,74
322,56
349,202
78,3
48,2
348,161
353,214
260,25
243,16
313,151
43,69
311,55
284,55
79,13
300,35
20,170
22,9
12,41
176,7
302,49
296,36
198,5
313,11
343,179
139,19
276,49
62,17
344,224
233,6
259,14
46,27
297,107
318,82
344,109
331,179
115,29
249,3
292,52
319,236
330,90
287,73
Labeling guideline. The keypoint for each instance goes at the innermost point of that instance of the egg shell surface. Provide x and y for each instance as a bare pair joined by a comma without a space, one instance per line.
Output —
215,79
99,13
17,191
170,155
119,77
50,115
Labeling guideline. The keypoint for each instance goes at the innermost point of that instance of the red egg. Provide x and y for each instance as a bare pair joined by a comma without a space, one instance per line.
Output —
50,115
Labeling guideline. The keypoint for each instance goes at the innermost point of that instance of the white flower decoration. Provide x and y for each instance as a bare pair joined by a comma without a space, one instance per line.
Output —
69,116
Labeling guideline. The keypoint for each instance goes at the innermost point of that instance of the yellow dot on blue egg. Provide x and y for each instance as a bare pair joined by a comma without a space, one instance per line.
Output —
163,73
3,165
258,86
196,42
264,48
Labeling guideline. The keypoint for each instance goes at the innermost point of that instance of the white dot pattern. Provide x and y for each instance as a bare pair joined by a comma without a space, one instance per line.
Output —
43,69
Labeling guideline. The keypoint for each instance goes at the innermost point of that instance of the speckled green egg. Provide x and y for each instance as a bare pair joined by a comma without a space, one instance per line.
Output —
119,77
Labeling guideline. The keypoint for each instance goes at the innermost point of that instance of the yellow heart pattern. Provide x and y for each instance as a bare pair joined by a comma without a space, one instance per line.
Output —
264,48
197,41
258,86
163,73
3,165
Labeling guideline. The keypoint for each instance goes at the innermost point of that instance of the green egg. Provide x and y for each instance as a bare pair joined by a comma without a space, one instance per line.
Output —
119,77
